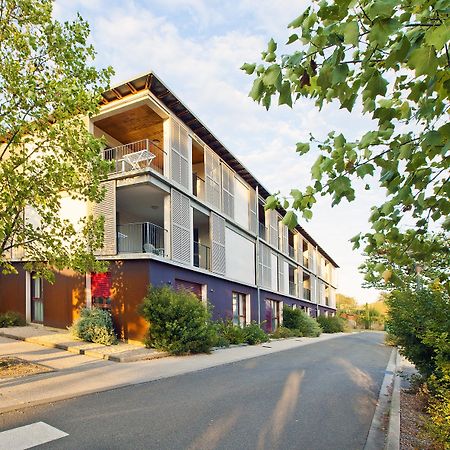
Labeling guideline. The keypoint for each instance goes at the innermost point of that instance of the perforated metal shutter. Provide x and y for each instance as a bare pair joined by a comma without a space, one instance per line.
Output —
284,237
180,143
265,272
281,274
273,227
252,212
217,224
107,209
212,174
181,228
227,191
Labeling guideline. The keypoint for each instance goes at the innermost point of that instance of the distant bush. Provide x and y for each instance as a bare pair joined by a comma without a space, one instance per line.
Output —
296,319
11,319
283,333
331,324
253,334
94,325
178,322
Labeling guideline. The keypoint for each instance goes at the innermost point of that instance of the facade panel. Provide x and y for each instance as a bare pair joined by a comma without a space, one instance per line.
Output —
240,257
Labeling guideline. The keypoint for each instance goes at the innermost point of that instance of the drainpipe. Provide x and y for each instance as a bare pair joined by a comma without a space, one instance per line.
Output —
258,293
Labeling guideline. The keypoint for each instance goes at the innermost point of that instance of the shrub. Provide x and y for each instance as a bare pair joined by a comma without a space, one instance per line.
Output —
253,334
296,319
94,325
229,332
283,333
11,319
179,322
331,324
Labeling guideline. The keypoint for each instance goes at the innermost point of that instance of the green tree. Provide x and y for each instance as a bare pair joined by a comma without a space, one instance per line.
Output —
389,58
345,304
48,87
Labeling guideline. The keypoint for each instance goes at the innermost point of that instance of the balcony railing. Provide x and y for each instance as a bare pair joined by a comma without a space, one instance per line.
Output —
135,155
292,288
306,293
202,256
198,186
141,237
263,231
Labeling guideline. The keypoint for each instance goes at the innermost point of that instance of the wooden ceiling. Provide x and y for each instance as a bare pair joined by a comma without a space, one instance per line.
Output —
134,125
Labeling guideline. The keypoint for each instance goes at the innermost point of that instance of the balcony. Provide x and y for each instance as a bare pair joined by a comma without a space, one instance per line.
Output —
305,262
307,294
141,237
202,256
293,289
198,186
135,156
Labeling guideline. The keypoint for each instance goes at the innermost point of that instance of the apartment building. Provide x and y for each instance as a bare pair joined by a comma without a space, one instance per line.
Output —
181,210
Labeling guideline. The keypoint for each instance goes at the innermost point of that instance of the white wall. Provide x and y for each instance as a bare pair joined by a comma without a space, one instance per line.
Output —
73,210
241,199
285,286
239,257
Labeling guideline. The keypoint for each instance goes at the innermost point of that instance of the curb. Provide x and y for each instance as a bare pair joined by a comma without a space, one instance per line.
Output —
393,436
91,349
376,438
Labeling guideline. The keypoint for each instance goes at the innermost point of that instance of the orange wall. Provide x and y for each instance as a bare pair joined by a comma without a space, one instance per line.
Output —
129,286
12,291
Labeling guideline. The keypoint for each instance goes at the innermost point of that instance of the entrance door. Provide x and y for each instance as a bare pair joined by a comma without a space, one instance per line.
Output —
37,301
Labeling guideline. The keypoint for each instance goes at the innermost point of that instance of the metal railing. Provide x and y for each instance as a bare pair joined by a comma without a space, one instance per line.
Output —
306,293
202,258
198,186
146,154
263,231
292,288
141,237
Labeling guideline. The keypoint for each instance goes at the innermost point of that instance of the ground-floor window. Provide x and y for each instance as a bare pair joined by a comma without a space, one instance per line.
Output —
195,288
240,309
37,300
101,284
273,314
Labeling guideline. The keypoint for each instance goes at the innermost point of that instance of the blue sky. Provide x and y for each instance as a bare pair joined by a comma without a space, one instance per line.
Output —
197,47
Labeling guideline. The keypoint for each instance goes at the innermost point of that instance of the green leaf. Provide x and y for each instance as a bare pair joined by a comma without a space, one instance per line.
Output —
382,29
272,76
368,139
377,85
271,202
302,148
423,60
437,36
248,68
298,22
271,46
290,220
257,90
307,214
365,169
339,74
285,94
351,32
292,38
339,141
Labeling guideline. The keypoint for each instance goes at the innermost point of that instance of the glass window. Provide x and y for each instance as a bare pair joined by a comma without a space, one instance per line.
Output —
239,309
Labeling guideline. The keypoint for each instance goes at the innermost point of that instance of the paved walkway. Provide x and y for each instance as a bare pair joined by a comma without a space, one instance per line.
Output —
76,374
56,338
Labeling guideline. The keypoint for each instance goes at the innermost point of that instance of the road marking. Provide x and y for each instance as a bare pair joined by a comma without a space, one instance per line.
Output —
29,436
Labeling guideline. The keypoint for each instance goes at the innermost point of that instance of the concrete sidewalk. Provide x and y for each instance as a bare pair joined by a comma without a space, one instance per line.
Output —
76,374
55,338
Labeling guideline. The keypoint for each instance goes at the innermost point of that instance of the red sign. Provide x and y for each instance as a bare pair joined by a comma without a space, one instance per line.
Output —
101,285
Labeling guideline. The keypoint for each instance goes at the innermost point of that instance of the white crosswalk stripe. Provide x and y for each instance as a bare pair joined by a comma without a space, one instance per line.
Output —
29,436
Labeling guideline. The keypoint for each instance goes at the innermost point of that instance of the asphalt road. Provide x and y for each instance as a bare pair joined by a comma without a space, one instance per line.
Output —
321,396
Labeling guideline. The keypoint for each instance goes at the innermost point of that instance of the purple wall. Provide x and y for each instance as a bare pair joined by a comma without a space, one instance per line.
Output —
220,290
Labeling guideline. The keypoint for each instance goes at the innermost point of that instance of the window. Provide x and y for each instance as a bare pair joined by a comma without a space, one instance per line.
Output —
194,288
273,314
240,309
